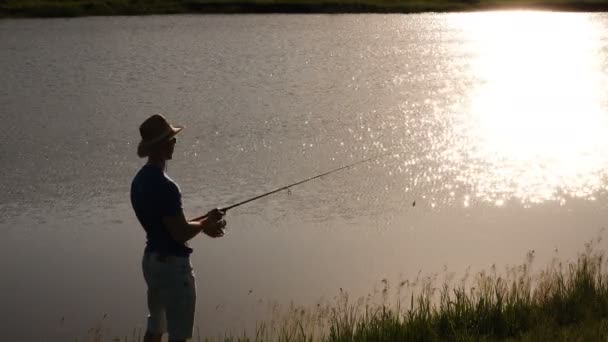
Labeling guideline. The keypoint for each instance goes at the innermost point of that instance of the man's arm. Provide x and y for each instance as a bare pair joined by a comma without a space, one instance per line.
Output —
182,230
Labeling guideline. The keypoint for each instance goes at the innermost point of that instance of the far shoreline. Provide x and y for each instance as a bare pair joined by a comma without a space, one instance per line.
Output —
82,8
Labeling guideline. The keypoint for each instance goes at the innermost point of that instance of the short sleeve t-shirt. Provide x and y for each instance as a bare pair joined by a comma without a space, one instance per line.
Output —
153,196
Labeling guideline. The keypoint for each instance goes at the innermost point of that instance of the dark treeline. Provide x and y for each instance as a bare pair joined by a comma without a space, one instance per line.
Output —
73,8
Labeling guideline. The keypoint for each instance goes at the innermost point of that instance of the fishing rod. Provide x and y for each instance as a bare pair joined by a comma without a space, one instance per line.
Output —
294,184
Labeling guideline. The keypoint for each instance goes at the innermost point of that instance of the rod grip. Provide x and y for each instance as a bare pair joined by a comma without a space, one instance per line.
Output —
224,210
199,218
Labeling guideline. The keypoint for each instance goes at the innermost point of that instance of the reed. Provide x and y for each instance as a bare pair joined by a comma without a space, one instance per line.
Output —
562,301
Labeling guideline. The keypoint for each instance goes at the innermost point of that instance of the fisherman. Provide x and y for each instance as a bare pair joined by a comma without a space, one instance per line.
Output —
167,270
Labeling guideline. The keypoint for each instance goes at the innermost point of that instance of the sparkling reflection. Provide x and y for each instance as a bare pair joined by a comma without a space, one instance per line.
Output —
534,125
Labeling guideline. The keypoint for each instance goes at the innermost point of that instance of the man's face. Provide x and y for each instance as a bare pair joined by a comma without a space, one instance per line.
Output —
167,149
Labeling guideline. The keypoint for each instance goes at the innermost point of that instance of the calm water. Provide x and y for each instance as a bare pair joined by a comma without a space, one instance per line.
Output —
496,123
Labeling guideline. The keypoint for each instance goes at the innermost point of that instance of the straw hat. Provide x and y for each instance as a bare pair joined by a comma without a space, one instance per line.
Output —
155,130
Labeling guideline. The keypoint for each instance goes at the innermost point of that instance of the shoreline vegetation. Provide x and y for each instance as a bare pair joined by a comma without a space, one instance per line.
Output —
77,8
565,301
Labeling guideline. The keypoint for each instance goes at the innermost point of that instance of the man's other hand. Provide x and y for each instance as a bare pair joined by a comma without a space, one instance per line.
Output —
214,225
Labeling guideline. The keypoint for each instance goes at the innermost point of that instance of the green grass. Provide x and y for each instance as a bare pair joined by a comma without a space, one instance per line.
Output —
72,8
563,302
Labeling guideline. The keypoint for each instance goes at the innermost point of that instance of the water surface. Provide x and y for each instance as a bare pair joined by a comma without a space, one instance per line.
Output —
495,124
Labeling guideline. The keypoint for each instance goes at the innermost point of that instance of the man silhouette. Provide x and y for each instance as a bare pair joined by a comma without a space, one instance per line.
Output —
156,200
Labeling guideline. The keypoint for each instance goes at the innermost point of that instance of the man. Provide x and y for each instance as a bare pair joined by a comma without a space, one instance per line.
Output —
166,265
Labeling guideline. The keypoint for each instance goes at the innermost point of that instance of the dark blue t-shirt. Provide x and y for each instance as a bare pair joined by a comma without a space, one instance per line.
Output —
154,195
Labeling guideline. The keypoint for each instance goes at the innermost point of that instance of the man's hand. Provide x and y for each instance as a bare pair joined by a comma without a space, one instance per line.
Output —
214,223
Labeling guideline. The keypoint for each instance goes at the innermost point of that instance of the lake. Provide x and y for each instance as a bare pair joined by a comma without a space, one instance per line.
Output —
495,125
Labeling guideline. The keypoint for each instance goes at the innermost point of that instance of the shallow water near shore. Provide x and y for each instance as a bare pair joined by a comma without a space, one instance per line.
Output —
496,132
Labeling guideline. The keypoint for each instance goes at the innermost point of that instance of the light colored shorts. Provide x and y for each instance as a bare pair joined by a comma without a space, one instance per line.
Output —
171,295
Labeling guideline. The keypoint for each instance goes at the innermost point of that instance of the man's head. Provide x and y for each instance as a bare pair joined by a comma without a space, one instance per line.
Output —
157,138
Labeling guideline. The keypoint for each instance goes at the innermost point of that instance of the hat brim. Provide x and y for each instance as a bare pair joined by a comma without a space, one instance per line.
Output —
145,147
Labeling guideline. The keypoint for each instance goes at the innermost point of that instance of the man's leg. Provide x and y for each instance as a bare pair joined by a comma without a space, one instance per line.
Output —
157,298
182,302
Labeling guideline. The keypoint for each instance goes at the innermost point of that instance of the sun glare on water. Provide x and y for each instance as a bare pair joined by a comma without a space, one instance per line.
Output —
534,125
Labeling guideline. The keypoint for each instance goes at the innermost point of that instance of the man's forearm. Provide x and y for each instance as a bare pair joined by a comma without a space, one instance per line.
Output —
191,230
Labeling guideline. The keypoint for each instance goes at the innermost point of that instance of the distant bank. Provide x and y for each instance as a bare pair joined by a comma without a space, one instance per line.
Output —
75,8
